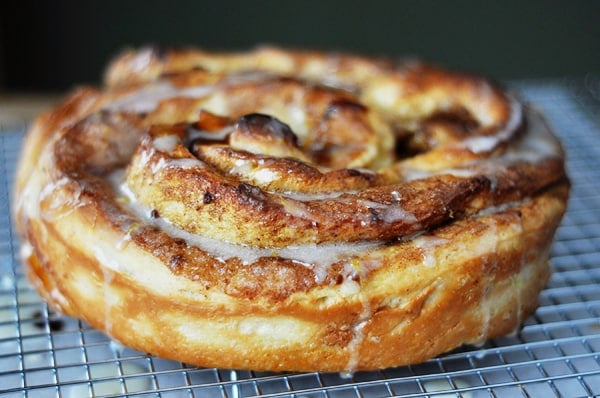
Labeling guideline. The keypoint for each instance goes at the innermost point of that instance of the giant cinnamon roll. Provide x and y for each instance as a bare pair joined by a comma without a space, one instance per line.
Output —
288,210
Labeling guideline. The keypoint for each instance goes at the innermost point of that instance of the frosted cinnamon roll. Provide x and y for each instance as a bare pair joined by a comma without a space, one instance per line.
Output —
288,210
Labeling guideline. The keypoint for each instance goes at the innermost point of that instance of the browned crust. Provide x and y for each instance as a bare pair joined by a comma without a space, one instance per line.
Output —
456,237
418,315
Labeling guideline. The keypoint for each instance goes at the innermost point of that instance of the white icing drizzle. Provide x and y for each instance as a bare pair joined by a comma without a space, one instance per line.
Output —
485,311
394,213
484,143
486,303
122,243
194,134
391,213
358,337
479,144
501,208
241,167
461,173
533,147
428,244
536,145
411,174
310,196
265,176
296,209
320,256
149,96
116,347
49,189
58,298
181,163
28,204
297,118
25,251
60,203
317,256
255,171
166,143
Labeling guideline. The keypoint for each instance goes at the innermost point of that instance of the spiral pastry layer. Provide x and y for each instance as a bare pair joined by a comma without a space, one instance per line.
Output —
290,210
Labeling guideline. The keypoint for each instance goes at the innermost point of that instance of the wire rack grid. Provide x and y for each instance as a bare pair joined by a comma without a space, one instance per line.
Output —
554,354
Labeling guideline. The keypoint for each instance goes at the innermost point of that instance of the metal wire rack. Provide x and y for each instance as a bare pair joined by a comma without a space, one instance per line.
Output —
556,353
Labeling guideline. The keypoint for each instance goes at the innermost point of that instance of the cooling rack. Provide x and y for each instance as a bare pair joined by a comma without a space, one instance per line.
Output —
555,354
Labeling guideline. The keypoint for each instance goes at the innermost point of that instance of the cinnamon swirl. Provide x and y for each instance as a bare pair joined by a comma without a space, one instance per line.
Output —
290,210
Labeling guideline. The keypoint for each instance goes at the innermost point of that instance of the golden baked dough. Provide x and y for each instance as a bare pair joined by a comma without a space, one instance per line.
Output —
289,210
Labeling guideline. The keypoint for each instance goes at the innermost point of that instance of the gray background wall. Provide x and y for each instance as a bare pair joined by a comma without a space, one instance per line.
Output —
53,45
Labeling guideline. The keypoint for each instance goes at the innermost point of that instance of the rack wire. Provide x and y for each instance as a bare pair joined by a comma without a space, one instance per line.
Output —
555,354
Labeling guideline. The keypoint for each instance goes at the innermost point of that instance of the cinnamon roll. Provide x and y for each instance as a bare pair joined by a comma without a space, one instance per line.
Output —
290,210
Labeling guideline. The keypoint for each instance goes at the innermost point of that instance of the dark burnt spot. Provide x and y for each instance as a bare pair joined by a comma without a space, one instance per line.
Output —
404,146
244,188
154,214
179,242
191,144
260,124
375,215
250,192
207,198
176,262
